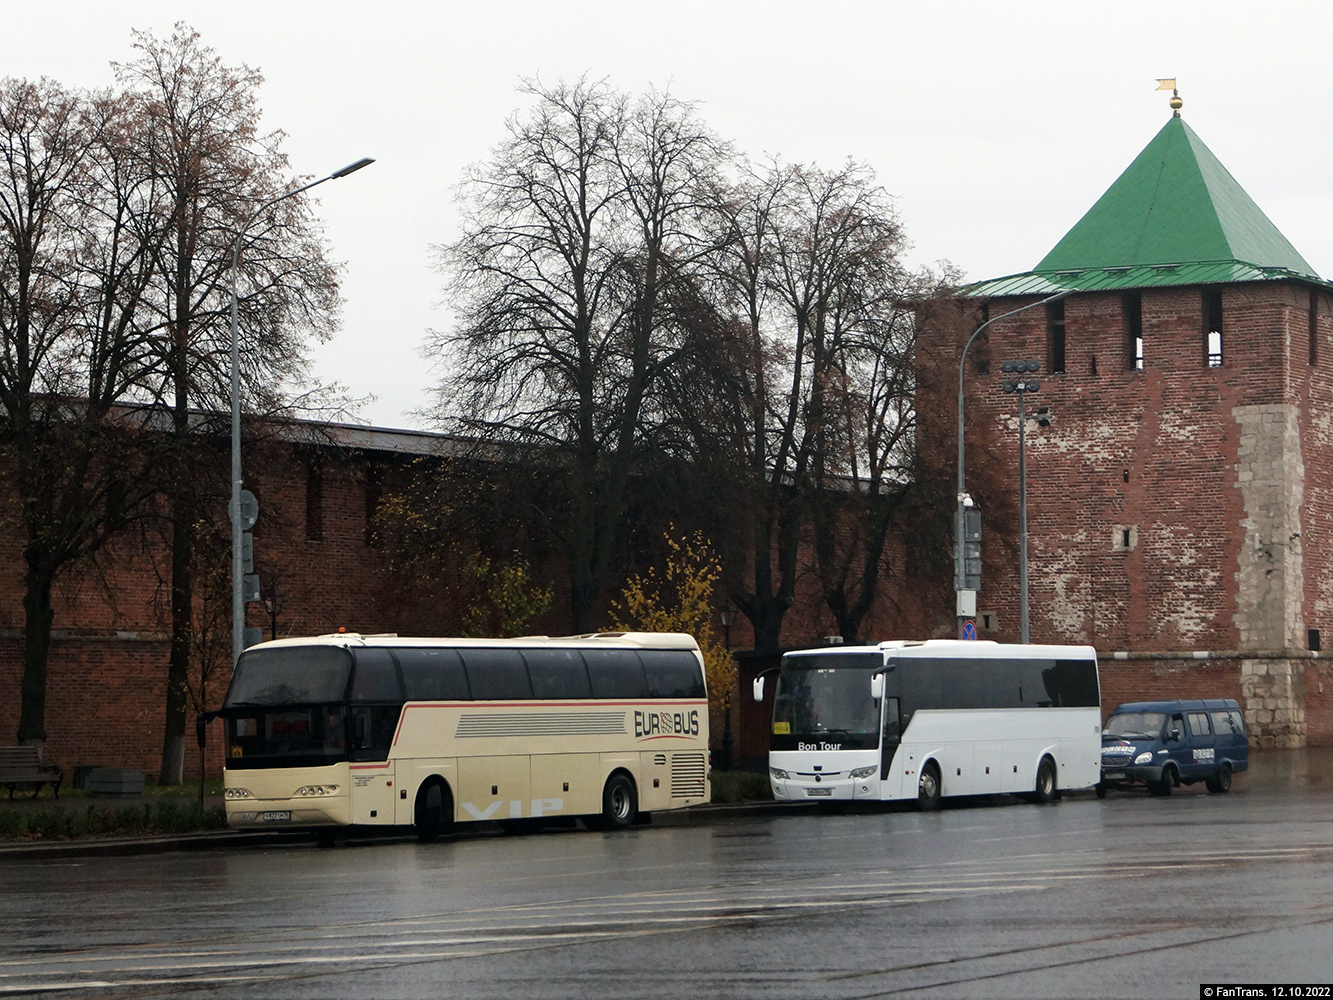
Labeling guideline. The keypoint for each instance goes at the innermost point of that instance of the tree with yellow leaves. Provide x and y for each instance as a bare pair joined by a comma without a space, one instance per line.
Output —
678,600
508,599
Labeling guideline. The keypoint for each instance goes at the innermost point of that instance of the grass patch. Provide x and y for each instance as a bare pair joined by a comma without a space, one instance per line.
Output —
165,814
741,786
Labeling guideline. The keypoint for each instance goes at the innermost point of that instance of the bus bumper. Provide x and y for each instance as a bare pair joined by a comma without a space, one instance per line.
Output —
837,790
250,814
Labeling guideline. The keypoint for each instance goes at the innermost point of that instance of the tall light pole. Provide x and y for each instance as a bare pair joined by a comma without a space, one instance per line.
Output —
237,569
964,501
1022,386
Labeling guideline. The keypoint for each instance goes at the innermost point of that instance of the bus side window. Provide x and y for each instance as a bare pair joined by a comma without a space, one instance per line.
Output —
558,674
616,673
375,679
433,675
672,673
496,674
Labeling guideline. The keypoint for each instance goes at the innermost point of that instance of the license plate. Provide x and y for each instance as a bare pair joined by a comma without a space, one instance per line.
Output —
276,817
819,791
1113,774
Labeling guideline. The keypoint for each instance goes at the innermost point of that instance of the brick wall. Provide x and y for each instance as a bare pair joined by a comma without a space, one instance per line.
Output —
1177,508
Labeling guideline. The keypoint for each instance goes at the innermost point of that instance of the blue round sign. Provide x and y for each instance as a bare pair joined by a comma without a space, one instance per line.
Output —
969,630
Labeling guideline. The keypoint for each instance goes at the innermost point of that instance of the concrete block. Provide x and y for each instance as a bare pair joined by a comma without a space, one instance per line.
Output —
114,781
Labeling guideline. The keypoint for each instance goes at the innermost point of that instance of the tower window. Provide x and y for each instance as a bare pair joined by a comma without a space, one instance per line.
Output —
1212,326
1132,306
314,500
1055,337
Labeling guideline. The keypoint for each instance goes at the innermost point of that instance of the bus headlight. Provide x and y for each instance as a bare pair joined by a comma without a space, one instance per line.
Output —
778,773
237,793
865,772
1144,758
317,790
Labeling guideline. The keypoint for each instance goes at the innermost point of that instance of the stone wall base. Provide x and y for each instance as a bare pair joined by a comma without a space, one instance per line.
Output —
1273,693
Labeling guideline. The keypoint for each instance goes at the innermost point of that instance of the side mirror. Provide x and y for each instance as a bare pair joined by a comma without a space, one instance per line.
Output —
877,686
759,682
1175,736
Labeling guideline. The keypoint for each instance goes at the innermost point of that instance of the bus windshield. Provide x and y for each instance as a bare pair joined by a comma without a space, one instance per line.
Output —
826,699
295,676
285,707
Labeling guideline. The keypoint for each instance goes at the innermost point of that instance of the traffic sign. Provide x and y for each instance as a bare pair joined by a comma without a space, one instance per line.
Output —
249,510
969,629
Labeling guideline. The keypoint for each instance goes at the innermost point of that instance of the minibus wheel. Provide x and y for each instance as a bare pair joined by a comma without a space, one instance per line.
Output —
1222,782
928,788
1163,787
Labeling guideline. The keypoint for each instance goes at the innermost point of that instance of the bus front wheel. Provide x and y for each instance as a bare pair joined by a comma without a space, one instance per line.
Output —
620,803
1046,790
928,788
431,819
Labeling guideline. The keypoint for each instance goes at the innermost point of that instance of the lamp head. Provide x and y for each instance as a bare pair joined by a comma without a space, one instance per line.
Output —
352,168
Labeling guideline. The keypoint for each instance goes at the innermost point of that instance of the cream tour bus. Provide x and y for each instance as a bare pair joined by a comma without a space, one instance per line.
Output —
358,730
921,720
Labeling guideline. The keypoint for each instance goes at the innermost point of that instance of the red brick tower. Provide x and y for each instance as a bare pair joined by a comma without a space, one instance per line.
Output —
1180,501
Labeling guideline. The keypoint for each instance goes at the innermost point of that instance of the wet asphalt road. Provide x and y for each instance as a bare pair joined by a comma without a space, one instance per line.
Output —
1127,897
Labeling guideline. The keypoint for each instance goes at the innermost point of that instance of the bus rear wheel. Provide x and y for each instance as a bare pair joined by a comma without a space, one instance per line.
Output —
928,788
620,803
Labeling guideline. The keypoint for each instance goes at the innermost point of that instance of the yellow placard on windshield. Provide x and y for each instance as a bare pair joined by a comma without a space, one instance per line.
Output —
782,729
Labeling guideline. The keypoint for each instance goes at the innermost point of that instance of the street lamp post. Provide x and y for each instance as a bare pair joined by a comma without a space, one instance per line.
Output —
237,568
964,501
1022,386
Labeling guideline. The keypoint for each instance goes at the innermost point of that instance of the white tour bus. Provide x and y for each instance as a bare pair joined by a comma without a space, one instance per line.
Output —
921,720
348,729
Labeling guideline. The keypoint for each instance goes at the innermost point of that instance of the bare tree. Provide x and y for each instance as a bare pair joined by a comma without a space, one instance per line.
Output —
810,273
72,273
571,277
201,140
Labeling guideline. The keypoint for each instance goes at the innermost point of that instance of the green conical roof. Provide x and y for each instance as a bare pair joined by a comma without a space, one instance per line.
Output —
1174,204
1175,216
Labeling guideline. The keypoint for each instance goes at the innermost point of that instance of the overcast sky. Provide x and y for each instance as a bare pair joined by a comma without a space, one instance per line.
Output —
995,125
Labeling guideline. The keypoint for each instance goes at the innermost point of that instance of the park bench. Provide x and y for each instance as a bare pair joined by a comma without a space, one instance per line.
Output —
22,766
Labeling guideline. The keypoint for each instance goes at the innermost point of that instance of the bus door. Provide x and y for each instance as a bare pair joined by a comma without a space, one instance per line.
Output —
372,792
891,738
